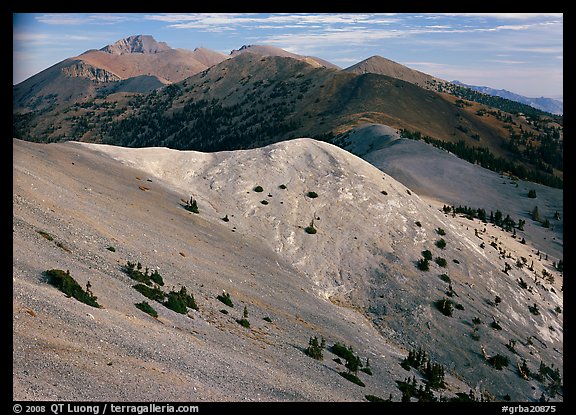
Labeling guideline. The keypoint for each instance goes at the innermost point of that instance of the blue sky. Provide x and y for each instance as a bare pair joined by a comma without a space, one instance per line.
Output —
521,52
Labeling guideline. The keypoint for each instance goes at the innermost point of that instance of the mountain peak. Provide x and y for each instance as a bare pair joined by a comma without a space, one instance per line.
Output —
136,44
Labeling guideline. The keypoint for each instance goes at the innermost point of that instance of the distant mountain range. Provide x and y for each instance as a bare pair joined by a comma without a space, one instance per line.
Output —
553,106
139,92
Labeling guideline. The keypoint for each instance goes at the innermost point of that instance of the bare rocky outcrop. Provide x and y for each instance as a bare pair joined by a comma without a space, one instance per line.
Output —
136,44
83,70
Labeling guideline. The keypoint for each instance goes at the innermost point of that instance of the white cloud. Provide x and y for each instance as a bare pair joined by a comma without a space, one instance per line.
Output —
76,19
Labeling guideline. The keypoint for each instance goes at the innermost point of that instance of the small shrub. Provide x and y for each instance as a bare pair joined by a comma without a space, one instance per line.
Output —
193,207
224,311
264,202
476,320
312,195
111,249
68,285
440,231
153,293
534,309
558,310
458,306
61,245
475,335
384,192
366,370
134,272
352,378
495,325
342,351
258,189
282,186
441,243
268,319
418,223
441,261
315,349
243,322
427,255
225,298
310,229
532,194
225,219
179,301
498,361
157,278
445,278
423,264
46,235
374,398
445,306
147,308
337,360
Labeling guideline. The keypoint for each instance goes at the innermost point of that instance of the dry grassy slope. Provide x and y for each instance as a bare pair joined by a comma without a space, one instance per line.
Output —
69,85
266,50
383,66
323,100
362,258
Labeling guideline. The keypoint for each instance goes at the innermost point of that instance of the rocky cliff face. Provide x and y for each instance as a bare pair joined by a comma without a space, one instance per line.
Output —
83,70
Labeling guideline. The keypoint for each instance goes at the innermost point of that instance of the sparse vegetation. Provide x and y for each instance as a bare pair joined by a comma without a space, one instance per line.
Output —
147,308
445,306
68,285
153,293
225,298
441,243
498,361
423,264
310,229
420,360
374,398
244,320
352,378
316,349
45,235
180,301
134,271
441,261
192,205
